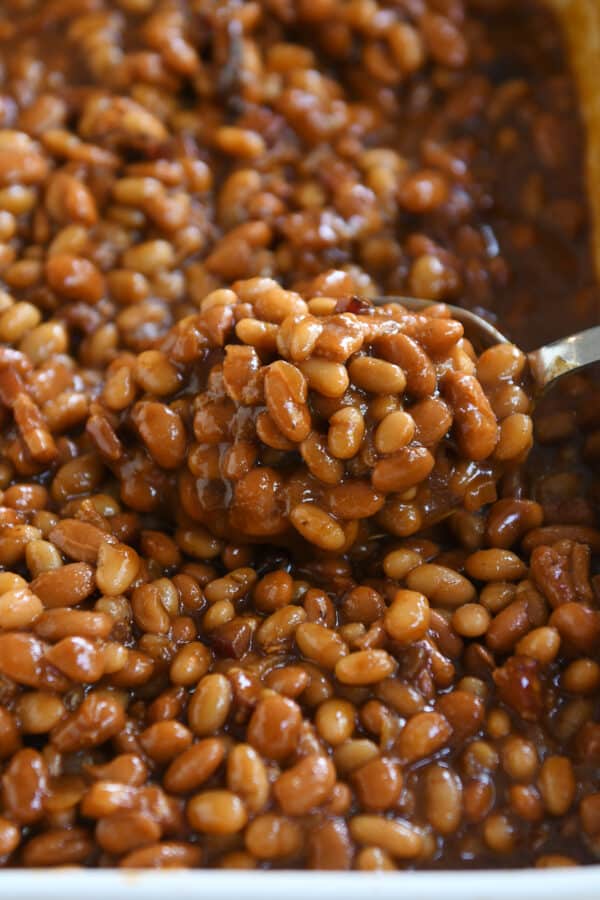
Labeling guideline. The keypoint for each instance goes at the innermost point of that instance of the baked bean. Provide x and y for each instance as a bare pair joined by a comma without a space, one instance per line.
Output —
290,681
10,581
519,759
285,393
305,785
557,784
363,604
163,855
277,631
422,735
216,812
320,645
525,801
373,859
10,837
274,727
364,667
589,811
354,500
394,432
21,658
554,860
231,587
443,794
407,619
104,798
541,644
127,768
190,664
346,431
326,377
440,584
317,526
495,565
237,859
155,374
582,676
335,721
406,468
577,624
126,831
117,567
55,624
515,437
432,420
464,710
377,375
19,608
25,786
297,336
319,461
99,718
273,591
78,658
42,556
330,847
471,620
273,837
411,358
9,734
165,740
378,784
499,833
67,586
400,562
474,421
75,278
423,191
247,777
60,846
240,142
508,627
39,711
501,362
210,704
390,835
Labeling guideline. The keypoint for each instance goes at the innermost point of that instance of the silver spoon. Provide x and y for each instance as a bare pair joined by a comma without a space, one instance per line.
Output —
546,363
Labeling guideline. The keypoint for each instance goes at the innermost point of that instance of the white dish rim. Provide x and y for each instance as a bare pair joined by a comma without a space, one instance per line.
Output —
115,884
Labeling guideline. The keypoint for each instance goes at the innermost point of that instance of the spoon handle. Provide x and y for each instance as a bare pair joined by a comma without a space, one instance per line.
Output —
566,355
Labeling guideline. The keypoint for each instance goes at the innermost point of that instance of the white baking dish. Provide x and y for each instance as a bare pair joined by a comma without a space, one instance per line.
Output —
78,884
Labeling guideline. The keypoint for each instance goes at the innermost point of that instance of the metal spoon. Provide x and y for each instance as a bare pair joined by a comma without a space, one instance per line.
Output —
546,363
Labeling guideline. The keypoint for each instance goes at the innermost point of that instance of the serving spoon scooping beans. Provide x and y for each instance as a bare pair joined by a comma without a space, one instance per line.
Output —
546,364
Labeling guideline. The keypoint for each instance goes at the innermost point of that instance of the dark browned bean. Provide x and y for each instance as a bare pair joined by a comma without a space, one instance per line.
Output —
411,358
99,718
78,540
163,855
475,424
274,728
25,786
124,832
58,847
422,735
403,470
66,586
285,392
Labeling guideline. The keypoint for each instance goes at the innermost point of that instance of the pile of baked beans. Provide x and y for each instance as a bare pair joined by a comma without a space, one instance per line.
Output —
282,584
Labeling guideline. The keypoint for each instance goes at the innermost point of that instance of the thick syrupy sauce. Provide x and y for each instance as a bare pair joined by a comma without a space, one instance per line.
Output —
399,694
